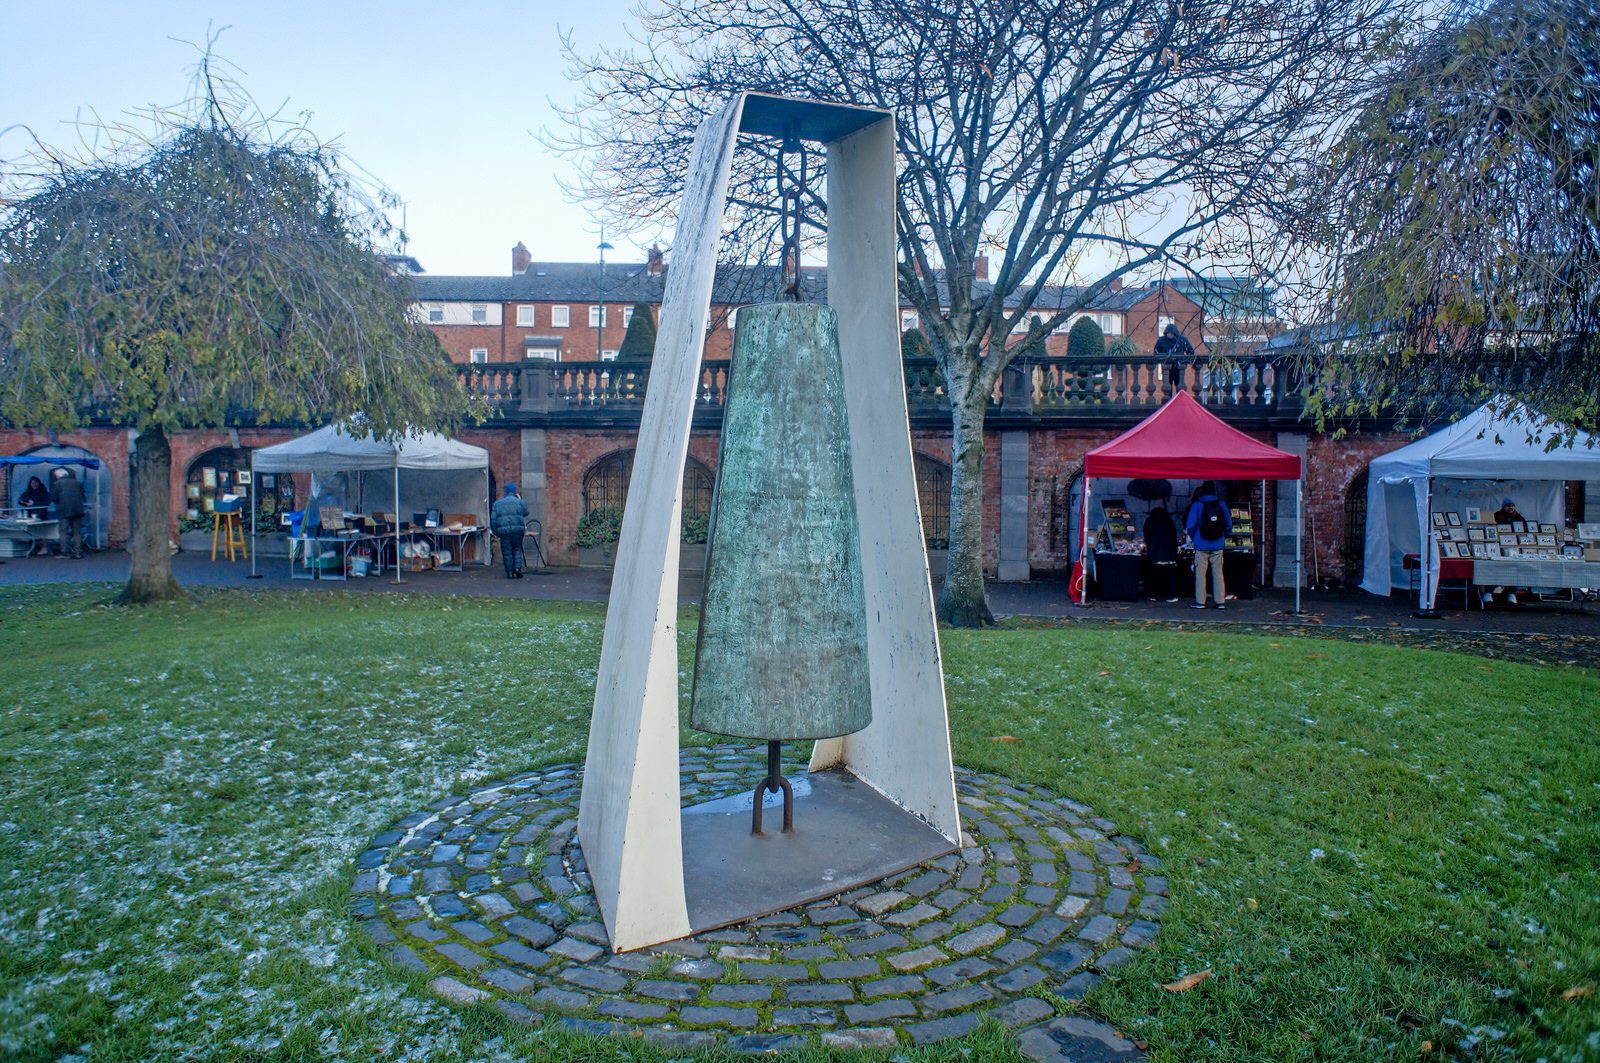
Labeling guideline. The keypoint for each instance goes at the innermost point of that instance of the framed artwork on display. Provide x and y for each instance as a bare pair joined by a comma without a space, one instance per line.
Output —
1480,550
1454,518
1474,515
1438,520
191,491
1510,551
1547,528
269,480
1525,540
208,476
1491,532
1572,551
1547,540
1591,532
1547,554
1516,526
242,477
1477,535
1493,550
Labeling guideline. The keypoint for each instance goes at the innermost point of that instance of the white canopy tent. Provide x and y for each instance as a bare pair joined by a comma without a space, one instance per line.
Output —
1477,461
422,464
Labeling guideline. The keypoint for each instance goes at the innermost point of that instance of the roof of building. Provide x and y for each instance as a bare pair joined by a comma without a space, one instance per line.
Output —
1228,296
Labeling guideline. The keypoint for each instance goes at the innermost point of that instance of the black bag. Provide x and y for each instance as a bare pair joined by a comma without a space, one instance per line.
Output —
1213,521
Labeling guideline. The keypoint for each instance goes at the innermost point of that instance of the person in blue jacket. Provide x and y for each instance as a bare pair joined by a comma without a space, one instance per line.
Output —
507,520
1208,526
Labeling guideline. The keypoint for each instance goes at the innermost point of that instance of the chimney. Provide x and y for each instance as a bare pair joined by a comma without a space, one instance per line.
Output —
520,259
1116,283
980,268
655,262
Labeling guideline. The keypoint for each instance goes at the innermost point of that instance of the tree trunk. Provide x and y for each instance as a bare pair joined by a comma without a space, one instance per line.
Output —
150,577
962,601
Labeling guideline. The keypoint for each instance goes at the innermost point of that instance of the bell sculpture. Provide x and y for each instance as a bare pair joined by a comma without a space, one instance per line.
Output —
782,644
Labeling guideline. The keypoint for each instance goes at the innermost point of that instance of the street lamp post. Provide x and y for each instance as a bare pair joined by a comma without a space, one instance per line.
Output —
600,321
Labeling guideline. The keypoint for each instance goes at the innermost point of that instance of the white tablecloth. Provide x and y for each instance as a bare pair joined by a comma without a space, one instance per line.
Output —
1531,573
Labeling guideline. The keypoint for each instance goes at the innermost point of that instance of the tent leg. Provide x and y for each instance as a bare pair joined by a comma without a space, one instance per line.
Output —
397,577
1425,595
1299,542
254,487
1083,543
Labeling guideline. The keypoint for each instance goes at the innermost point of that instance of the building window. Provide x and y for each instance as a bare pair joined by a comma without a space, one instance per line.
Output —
597,316
480,314
908,320
933,497
1110,324
608,356
549,354
525,318
560,317
1162,322
627,316
605,486
478,355
435,315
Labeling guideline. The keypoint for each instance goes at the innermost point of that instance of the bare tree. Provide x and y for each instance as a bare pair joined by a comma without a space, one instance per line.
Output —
1072,140
204,266
1451,241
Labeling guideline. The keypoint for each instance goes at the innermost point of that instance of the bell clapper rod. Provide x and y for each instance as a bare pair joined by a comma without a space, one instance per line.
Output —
773,783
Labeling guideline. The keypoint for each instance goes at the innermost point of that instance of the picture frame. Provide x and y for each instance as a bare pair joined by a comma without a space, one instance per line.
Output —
1438,519
1547,554
1480,551
1510,553
1546,540
1572,551
191,491
269,480
1525,540
1447,551
208,476
242,478
1516,526
1589,532
1547,528
1474,515
1494,551
1453,517
1491,533
1477,535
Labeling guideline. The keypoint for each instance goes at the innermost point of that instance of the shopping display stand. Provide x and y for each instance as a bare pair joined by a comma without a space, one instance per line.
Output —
1183,440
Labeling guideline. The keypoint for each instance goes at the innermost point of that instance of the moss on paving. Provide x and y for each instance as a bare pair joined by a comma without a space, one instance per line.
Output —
1371,847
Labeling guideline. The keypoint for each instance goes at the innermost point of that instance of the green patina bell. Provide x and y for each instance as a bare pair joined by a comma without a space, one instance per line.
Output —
783,645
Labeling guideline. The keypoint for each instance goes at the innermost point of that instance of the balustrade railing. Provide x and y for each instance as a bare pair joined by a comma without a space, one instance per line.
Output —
1049,388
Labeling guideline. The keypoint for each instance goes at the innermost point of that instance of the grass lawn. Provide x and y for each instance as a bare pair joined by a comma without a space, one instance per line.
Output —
1371,848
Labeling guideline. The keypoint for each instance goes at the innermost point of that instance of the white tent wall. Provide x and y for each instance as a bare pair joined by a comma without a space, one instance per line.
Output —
448,491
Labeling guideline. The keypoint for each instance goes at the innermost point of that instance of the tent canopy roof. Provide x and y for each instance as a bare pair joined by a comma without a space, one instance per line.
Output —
1484,446
337,449
34,459
1184,440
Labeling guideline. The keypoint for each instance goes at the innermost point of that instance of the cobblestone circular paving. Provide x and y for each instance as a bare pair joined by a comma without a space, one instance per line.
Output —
487,893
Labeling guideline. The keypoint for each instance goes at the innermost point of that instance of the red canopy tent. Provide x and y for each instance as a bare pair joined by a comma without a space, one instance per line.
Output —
1184,440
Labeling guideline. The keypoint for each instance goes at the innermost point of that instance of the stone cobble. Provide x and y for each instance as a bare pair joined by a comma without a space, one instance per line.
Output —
488,894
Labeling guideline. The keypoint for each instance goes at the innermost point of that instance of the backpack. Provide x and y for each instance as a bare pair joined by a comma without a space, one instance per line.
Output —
1213,524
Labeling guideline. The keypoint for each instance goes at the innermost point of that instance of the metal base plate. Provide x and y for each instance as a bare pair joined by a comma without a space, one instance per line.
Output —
846,835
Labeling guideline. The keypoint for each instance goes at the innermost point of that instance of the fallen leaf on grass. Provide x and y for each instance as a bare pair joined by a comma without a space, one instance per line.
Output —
1187,982
1578,992
1102,673
1004,738
1316,656
1427,1046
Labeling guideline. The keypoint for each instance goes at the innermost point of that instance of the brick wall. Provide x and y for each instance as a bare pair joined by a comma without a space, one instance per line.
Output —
1143,320
1331,466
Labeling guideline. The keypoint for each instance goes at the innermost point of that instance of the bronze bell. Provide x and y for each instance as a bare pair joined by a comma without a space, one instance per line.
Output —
782,645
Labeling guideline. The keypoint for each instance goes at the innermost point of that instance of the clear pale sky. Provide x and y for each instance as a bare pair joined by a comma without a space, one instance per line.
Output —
438,101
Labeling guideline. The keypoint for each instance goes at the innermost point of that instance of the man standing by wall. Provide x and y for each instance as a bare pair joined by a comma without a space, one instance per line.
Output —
508,521
67,496
1208,525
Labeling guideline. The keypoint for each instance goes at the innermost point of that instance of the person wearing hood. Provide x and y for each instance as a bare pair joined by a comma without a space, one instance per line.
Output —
1173,344
1208,525
1161,550
508,520
35,503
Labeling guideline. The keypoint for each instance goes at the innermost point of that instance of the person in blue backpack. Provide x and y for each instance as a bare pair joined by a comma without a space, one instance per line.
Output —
1208,526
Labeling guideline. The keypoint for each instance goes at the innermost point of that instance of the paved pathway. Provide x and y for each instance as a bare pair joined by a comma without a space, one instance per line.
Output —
487,892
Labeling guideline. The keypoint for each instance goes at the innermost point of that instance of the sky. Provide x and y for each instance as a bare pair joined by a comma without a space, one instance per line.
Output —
440,102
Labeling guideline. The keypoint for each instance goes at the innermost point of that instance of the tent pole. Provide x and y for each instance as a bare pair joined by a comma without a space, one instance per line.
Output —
254,487
1299,541
1083,541
397,577
1425,594
488,501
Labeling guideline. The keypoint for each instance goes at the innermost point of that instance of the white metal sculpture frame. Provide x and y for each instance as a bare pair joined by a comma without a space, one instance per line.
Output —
629,820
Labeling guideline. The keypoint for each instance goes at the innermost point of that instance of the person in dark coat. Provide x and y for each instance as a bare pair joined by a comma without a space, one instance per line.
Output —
35,503
1161,550
508,520
67,496
1173,344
